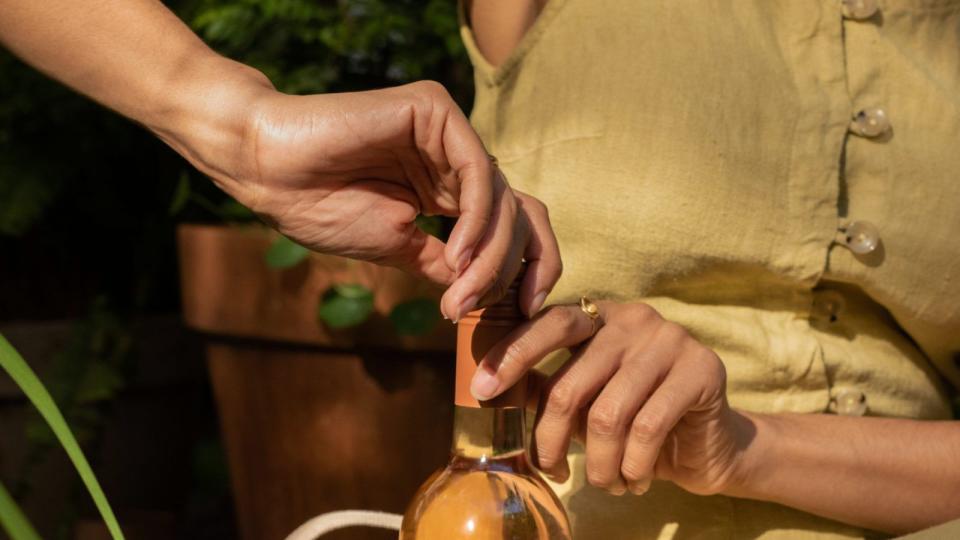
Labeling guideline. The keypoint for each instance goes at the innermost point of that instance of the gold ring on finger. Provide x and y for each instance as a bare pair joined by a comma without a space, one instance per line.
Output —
592,311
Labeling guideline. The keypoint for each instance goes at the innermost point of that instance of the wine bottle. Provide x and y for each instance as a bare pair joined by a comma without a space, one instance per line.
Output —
488,490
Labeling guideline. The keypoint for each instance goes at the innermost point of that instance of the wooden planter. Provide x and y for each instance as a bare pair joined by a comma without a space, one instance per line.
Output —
314,420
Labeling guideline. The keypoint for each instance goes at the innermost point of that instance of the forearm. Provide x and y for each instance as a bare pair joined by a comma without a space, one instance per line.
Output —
890,475
139,59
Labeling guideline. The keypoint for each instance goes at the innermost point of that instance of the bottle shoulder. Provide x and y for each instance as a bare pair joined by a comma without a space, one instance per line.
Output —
498,498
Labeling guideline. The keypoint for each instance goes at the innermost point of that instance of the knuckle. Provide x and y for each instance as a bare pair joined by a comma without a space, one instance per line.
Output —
605,419
673,332
714,367
431,88
598,476
704,368
632,471
562,399
646,429
642,314
515,353
563,318
548,456
533,204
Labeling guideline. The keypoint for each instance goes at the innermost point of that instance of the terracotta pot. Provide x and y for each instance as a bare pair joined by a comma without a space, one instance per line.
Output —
314,420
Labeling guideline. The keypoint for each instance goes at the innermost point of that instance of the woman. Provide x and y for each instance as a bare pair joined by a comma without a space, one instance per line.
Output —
689,152
764,197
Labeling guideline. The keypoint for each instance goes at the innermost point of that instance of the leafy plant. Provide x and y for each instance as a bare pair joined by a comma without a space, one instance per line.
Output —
12,519
89,200
415,317
284,253
24,377
304,46
345,305
310,46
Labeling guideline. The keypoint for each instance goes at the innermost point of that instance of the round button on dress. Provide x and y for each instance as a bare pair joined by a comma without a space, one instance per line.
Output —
859,9
851,402
827,306
862,237
871,122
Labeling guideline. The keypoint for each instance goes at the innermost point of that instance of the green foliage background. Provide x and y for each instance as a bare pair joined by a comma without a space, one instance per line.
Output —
89,201
54,143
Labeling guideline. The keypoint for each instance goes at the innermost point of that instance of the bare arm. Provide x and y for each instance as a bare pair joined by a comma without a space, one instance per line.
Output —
885,474
139,59
308,164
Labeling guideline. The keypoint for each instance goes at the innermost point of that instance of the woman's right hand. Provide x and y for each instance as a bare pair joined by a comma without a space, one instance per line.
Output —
347,174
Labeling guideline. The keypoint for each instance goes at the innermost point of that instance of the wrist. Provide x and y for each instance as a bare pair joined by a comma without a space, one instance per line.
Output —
756,438
205,113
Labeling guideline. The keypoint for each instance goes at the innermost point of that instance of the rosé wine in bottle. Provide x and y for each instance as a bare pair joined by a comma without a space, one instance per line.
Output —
488,490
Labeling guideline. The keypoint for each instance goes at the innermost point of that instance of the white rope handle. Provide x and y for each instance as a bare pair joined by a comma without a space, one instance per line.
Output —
332,521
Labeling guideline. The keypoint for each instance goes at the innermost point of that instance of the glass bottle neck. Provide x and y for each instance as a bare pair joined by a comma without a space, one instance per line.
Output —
488,432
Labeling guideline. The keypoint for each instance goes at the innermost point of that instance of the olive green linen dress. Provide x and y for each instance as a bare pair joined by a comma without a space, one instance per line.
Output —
724,161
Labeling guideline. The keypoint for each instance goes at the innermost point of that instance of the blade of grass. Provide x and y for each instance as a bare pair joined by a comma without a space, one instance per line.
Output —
12,520
26,379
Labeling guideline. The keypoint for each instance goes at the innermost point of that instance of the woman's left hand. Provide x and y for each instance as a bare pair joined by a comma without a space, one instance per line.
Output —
648,399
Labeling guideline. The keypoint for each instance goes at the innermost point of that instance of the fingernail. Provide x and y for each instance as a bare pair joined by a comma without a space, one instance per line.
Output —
466,307
484,385
536,304
638,488
558,478
464,261
617,490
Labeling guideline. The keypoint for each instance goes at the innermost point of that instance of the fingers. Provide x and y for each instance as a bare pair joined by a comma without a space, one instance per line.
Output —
461,177
650,427
477,177
493,230
542,255
424,257
476,205
554,328
609,419
564,396
496,259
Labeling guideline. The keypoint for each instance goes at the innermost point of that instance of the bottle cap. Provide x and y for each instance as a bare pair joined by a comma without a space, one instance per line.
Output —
477,332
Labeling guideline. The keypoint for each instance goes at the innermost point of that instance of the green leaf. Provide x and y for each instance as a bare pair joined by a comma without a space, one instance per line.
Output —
353,290
27,381
99,383
24,198
345,306
432,225
13,520
415,317
285,253
231,210
181,194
